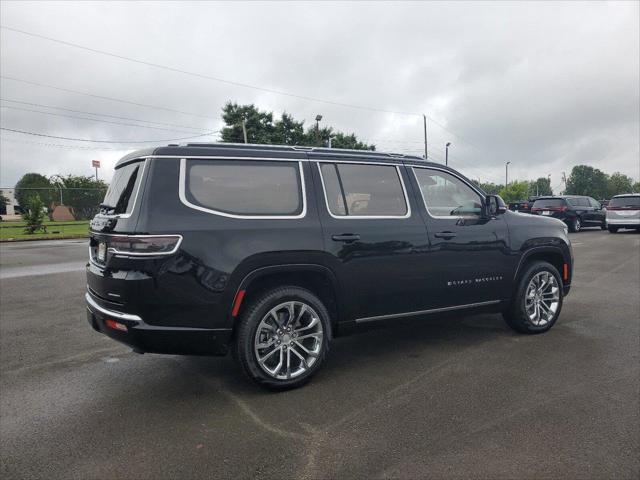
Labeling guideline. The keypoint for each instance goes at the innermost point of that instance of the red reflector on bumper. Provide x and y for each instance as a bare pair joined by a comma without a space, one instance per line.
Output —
116,325
565,272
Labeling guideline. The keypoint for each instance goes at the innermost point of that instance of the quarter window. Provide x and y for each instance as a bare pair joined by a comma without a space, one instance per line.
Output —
247,188
363,190
445,195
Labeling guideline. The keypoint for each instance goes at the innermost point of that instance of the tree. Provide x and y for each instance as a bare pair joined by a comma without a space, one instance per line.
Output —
34,185
489,188
259,125
619,183
636,187
34,215
586,180
4,201
515,191
541,186
83,194
262,129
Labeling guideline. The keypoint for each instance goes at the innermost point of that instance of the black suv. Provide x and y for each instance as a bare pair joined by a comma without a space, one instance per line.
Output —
574,210
272,251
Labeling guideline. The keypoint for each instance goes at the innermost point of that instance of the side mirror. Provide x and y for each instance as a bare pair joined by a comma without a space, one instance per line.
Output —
494,205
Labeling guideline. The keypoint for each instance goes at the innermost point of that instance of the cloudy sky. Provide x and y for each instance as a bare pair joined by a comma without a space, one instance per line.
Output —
543,85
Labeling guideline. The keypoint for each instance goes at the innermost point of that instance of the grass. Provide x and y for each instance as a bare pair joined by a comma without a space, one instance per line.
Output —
10,231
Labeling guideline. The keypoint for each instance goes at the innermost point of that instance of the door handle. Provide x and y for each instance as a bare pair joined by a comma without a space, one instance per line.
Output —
445,235
345,237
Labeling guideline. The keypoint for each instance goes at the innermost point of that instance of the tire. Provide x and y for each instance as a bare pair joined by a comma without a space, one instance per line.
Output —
264,322
575,225
517,316
603,226
613,229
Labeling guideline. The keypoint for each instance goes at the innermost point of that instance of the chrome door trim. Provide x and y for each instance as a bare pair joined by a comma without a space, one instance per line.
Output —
425,312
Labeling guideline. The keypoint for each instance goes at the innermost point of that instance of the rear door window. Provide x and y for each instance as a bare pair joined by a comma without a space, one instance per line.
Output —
245,188
364,190
121,194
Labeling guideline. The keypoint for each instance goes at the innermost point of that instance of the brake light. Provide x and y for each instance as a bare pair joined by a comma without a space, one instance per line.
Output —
141,245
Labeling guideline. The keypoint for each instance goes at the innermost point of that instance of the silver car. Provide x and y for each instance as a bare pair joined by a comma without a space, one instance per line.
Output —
623,211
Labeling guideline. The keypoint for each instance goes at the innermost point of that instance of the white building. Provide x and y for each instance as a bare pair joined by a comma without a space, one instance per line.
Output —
9,194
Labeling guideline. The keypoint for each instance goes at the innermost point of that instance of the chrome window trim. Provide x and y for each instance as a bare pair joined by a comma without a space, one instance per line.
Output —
111,313
424,202
425,312
135,198
183,181
365,217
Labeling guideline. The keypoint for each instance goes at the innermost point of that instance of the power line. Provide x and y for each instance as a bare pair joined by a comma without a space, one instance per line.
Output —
207,77
102,97
93,119
105,141
101,114
58,145
228,82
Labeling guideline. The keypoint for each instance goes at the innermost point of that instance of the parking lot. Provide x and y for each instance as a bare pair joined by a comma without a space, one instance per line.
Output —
438,398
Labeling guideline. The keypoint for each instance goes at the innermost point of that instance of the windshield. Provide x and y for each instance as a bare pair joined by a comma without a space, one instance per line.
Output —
625,202
120,196
548,202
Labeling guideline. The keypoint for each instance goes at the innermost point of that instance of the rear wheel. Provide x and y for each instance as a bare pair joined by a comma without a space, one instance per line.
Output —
575,225
538,299
283,338
613,229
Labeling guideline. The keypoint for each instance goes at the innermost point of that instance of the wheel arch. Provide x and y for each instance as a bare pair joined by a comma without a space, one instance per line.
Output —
554,255
318,279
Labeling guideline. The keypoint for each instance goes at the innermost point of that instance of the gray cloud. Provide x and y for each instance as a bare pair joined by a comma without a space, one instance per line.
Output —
545,86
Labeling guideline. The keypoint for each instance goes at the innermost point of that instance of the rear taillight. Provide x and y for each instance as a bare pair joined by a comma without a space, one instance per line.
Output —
143,245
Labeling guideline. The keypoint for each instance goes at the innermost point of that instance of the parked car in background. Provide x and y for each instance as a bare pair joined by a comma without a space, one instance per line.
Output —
604,203
522,206
574,210
623,211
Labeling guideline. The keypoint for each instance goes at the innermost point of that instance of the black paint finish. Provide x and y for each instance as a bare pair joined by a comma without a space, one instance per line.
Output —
382,267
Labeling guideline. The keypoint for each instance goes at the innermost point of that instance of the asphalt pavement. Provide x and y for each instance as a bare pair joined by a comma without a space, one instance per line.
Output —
444,398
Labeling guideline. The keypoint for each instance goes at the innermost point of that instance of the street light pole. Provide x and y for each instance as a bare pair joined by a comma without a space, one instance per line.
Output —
446,156
506,174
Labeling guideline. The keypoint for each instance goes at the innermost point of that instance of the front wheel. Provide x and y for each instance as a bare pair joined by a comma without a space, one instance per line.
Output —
283,338
538,299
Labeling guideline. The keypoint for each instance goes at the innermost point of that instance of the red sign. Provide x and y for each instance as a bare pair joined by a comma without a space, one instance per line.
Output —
95,163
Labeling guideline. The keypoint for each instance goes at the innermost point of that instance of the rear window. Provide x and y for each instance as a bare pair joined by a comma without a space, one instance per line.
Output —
548,202
122,190
363,190
244,187
625,201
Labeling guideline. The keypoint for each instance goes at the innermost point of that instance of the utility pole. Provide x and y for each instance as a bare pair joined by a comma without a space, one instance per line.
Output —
506,174
318,118
244,130
424,120
446,156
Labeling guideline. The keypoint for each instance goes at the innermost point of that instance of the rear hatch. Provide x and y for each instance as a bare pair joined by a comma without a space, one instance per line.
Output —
551,207
624,208
116,216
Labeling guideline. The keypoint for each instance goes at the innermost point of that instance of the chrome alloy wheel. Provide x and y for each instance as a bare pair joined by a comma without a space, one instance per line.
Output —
542,298
288,340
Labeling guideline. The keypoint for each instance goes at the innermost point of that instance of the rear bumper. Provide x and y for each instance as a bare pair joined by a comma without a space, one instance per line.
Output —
145,338
631,222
